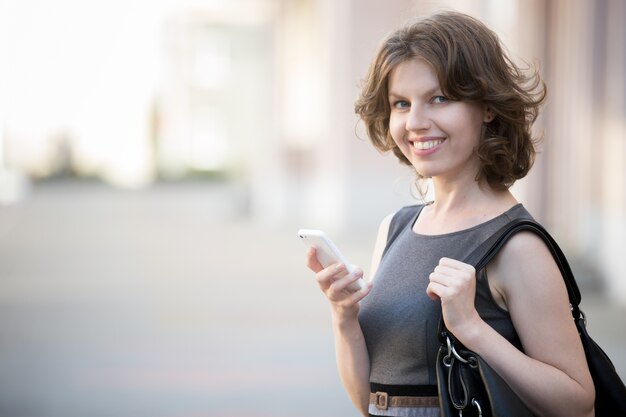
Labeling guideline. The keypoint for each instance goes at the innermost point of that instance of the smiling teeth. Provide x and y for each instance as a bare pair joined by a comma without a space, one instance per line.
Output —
427,145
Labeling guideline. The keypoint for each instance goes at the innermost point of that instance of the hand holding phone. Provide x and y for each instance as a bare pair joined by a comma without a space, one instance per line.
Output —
328,253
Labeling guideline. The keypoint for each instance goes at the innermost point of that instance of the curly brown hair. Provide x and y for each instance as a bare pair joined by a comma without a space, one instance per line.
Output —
471,64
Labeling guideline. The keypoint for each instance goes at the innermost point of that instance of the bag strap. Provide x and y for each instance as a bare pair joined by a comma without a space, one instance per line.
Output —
480,257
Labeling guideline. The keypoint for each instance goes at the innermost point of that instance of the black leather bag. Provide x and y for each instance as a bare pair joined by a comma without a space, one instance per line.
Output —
470,387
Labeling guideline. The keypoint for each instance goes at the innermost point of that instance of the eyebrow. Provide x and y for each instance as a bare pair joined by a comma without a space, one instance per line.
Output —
429,92
392,98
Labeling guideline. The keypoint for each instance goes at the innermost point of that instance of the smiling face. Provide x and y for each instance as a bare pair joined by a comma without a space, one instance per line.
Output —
436,134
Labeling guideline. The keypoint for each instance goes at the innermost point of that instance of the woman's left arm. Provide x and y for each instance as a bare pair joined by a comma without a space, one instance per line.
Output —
551,376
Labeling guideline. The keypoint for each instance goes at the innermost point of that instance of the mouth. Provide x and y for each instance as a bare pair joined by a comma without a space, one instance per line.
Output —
424,145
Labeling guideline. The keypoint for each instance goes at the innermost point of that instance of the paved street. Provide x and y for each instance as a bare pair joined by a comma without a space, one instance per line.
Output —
167,302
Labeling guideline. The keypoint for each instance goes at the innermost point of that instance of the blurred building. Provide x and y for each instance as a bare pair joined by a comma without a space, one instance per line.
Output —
260,93
322,175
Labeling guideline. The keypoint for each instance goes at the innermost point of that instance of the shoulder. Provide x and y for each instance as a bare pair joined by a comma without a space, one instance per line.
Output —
388,230
383,228
525,271
381,242
401,218
407,211
524,245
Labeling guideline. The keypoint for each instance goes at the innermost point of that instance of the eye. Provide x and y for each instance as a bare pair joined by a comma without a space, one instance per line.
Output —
401,104
439,99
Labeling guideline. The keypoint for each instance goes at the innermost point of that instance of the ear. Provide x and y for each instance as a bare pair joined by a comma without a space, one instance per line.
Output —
488,115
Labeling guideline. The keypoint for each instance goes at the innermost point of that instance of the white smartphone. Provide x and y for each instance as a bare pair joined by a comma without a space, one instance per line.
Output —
328,253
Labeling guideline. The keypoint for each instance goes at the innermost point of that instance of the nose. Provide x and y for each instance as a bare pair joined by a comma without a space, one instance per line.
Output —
418,119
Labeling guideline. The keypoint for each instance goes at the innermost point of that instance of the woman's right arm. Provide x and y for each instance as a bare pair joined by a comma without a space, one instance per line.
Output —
350,348
351,351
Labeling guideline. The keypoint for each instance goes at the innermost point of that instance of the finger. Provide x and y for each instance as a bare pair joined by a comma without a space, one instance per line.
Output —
452,281
451,267
312,262
435,291
327,276
349,298
357,296
442,277
443,272
357,271
343,283
452,275
455,264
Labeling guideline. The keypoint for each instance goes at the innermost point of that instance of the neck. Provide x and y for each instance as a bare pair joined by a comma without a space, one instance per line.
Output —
462,206
450,197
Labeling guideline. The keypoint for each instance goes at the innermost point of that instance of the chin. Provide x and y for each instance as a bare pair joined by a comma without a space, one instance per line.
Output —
425,171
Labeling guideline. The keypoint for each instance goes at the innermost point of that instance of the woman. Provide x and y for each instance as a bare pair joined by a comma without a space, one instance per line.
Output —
445,98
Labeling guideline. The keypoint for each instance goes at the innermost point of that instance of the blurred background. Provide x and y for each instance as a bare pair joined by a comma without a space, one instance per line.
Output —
157,158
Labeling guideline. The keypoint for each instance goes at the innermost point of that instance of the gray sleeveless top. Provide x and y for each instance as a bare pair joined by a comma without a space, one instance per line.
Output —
399,321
